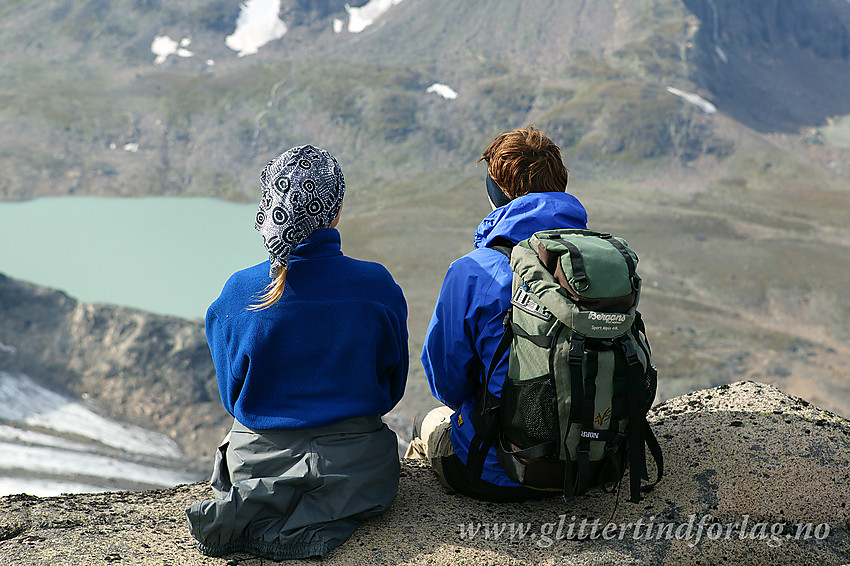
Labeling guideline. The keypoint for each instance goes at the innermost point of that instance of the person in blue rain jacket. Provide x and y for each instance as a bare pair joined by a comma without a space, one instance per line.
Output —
526,184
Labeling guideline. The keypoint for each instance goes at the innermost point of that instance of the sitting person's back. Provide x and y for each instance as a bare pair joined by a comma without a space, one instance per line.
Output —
310,349
526,184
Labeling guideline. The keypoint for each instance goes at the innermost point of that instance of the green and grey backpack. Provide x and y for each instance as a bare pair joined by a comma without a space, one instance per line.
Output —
572,411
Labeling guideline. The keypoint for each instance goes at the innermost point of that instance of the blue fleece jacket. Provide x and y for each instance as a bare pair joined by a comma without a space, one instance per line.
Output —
334,347
467,322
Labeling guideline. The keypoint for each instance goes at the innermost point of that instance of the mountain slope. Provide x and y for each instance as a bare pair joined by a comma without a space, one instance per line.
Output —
87,110
740,217
774,66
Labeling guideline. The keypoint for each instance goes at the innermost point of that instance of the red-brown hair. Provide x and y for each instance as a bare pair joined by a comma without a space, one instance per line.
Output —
525,161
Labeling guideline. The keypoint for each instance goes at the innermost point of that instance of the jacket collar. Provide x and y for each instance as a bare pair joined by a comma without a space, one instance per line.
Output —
525,215
324,242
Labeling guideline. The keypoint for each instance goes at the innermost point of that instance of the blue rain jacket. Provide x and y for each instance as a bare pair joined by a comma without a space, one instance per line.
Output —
466,325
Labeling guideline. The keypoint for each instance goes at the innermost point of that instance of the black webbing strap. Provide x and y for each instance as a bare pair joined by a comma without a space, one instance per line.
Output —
630,262
635,409
618,393
613,461
618,413
501,349
649,436
638,327
502,245
577,262
487,428
587,431
479,446
638,324
537,451
540,340
574,360
655,450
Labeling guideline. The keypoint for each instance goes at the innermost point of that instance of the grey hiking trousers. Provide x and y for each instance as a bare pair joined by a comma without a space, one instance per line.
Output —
296,493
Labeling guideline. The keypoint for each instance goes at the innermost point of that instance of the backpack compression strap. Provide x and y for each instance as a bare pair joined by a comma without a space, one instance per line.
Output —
488,427
587,431
639,432
630,263
574,359
582,411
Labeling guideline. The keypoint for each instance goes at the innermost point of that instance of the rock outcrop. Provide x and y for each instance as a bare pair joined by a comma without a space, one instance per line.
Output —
764,473
150,370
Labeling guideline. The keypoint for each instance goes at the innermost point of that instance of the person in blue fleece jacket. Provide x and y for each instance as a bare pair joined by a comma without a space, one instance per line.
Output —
310,350
526,183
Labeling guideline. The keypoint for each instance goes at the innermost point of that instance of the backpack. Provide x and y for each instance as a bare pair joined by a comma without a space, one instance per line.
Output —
571,413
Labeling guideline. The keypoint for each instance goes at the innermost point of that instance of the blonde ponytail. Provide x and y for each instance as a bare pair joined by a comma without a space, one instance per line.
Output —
273,291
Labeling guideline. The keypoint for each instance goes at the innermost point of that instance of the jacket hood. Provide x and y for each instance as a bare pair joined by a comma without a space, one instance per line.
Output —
525,215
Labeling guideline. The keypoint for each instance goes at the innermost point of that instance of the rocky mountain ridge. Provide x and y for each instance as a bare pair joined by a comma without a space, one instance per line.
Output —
752,476
149,370
740,217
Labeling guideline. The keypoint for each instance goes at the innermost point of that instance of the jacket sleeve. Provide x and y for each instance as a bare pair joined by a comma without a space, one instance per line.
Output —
398,381
229,386
452,365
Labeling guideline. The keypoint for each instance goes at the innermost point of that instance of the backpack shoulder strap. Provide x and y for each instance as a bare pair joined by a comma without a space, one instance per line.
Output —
485,415
502,245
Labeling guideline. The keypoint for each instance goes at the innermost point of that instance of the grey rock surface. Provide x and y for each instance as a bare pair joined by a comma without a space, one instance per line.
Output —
150,370
746,460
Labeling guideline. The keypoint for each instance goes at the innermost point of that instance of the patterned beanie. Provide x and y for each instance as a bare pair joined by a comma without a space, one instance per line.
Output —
302,192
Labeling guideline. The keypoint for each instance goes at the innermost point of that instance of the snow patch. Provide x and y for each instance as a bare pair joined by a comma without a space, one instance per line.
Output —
162,46
445,91
31,437
339,24
364,16
59,462
131,147
258,24
44,488
837,131
23,400
8,349
694,99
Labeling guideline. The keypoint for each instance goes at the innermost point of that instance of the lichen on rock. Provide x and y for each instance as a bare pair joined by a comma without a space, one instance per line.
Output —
743,454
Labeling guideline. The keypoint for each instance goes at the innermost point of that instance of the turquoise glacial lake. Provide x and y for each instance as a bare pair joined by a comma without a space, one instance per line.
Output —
166,255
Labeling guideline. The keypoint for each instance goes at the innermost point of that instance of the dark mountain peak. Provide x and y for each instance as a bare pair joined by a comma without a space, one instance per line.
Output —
775,66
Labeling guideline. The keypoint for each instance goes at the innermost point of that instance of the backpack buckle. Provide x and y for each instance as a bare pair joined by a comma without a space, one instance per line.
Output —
630,352
576,352
580,283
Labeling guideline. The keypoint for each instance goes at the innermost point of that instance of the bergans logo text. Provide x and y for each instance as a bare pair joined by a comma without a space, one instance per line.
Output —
615,318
